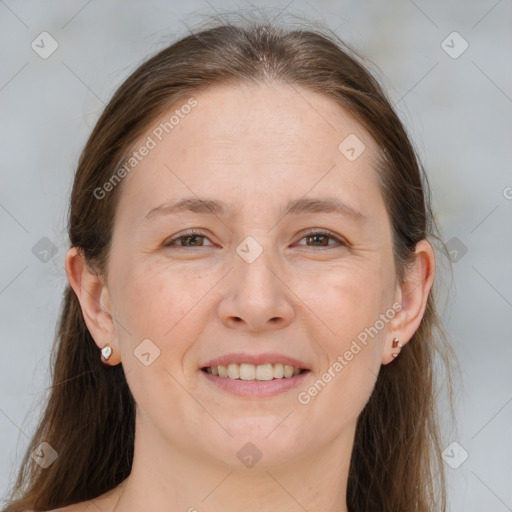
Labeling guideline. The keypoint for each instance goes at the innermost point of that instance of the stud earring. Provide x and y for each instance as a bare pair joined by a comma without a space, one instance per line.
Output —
394,344
106,352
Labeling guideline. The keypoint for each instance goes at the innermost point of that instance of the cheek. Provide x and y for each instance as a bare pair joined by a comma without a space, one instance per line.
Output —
158,306
351,346
355,306
349,300
152,299
165,305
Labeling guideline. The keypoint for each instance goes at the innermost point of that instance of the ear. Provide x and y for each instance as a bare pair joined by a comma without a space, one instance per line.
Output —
412,294
93,296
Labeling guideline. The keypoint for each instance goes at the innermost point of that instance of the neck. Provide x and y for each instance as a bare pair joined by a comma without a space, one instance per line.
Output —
167,477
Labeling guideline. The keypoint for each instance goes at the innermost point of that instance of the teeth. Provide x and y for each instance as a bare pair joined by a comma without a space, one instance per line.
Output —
288,371
278,371
245,371
263,371
234,371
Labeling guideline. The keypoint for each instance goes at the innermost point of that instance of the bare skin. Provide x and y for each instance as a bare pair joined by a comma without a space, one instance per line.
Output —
255,148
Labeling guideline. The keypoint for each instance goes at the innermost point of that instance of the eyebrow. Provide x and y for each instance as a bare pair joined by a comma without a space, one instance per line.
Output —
294,207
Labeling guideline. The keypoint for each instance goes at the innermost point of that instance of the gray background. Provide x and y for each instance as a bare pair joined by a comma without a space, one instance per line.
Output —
458,111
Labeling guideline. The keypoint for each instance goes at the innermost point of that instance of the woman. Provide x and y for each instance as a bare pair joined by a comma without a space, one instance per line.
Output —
249,322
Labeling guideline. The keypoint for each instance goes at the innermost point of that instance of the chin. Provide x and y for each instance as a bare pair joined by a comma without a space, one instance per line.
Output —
262,442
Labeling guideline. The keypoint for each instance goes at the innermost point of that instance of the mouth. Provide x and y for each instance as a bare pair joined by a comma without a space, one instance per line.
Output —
254,381
252,372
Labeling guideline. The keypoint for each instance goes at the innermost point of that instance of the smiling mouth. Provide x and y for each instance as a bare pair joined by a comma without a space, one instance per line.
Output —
248,372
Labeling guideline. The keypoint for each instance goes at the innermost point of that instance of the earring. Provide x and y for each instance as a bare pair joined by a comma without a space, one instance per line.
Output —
394,344
106,352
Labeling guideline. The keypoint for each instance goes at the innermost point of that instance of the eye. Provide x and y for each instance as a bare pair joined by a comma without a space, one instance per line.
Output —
320,239
193,236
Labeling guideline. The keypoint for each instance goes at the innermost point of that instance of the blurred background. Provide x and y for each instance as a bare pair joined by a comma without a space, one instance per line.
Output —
447,69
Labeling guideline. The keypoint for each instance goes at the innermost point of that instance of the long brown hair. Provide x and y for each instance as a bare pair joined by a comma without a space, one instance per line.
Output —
89,415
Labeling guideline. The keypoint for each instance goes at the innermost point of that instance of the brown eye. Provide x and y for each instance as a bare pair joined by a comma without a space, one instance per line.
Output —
321,239
190,238
318,240
196,239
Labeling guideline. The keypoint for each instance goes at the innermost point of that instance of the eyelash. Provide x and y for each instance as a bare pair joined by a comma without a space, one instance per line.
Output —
192,233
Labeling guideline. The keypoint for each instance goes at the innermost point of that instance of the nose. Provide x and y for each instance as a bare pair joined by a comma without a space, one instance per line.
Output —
257,297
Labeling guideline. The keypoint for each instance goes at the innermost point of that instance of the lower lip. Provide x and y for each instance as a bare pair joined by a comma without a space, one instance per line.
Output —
256,388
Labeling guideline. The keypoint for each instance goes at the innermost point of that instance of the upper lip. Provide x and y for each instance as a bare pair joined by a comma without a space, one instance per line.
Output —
255,359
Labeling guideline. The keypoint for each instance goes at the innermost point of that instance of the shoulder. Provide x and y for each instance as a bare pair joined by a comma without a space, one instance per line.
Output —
106,502
83,506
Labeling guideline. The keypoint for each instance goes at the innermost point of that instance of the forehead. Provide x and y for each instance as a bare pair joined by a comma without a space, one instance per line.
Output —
263,141
276,118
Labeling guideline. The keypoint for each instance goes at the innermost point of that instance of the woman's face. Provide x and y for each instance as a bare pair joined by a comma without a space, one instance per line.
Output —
256,280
